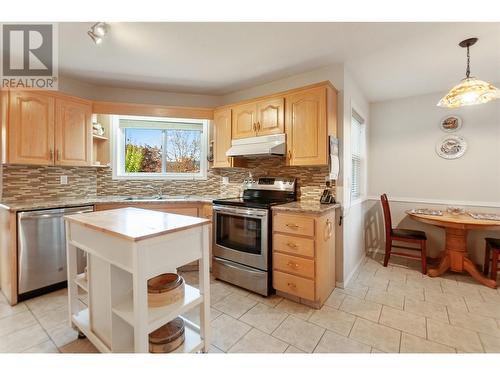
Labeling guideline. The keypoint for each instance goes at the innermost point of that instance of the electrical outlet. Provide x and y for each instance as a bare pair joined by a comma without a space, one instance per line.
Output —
64,180
225,180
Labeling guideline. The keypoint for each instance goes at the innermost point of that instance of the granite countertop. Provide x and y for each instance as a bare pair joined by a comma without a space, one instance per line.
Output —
306,207
72,202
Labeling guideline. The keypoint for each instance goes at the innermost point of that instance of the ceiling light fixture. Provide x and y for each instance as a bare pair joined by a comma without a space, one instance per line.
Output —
470,90
97,32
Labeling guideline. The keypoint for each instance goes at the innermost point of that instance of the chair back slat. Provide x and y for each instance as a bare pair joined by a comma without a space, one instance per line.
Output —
387,216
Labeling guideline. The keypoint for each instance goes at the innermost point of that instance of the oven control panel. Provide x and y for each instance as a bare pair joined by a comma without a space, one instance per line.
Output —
270,183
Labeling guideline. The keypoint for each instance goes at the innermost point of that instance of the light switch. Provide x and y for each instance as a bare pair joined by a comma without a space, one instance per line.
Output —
225,180
64,180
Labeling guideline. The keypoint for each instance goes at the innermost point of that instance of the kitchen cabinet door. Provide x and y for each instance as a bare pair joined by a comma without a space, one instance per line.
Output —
222,138
270,116
31,128
306,127
244,121
73,133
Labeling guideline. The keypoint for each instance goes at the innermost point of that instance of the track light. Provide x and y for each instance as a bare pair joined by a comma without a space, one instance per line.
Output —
97,32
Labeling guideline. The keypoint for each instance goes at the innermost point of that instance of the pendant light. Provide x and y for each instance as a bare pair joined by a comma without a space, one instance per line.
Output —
470,90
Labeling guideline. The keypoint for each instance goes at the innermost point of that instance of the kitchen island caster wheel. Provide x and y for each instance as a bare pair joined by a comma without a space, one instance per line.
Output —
81,335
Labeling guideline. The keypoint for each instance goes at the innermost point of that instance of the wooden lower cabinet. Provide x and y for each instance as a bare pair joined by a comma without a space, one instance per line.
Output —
304,256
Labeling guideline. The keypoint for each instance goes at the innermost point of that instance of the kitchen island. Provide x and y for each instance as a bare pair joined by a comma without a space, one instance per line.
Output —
125,248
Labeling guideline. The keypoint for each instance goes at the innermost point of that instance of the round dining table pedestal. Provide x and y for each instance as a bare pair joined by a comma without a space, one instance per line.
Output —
455,258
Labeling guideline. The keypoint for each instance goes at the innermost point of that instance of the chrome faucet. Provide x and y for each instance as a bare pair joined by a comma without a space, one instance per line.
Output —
158,191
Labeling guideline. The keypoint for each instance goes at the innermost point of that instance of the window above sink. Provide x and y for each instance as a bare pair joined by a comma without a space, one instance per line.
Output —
159,148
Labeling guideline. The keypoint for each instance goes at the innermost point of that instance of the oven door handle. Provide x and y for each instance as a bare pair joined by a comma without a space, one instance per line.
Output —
248,212
240,266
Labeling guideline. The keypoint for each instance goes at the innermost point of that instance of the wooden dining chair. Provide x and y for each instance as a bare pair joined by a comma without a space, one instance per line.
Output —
416,237
492,252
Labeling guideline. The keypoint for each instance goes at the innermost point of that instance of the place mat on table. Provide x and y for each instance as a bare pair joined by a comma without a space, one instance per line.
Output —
482,216
426,211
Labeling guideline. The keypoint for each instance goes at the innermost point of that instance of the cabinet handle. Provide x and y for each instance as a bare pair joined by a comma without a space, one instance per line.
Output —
292,245
289,225
289,154
292,285
58,155
292,265
254,127
51,154
328,230
258,126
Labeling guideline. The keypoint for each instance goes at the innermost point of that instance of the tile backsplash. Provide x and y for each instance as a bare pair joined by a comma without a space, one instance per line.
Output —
38,183
43,183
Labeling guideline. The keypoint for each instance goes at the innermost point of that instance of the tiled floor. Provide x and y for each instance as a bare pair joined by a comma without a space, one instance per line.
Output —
393,309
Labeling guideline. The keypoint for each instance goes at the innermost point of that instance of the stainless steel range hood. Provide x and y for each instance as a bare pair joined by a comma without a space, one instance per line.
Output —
267,145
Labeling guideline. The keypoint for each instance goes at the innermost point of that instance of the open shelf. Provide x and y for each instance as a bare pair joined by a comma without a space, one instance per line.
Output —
99,137
158,316
192,340
82,282
82,322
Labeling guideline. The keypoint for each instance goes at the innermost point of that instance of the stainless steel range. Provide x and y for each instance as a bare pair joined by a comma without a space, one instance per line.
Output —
242,233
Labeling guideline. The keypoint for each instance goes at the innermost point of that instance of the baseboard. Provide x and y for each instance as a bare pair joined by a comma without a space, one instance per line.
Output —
353,272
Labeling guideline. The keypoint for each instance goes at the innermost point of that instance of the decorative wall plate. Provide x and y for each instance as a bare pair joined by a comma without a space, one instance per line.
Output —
451,147
450,123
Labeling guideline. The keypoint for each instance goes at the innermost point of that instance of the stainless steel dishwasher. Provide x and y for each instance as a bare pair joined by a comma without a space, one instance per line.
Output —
41,250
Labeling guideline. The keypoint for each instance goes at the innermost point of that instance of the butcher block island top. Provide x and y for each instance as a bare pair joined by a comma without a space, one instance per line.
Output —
125,248
136,224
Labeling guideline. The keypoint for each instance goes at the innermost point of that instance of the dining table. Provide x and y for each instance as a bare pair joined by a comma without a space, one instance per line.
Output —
455,256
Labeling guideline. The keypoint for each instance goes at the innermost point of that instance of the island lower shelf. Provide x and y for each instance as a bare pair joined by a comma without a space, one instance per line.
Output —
117,317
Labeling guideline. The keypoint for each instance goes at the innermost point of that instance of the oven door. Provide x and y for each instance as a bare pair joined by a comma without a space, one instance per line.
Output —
241,235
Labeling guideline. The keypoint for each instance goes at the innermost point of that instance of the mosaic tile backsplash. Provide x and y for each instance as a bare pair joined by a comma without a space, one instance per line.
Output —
34,183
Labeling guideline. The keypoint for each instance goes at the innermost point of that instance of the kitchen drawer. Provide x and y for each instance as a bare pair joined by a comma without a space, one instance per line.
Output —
297,266
293,245
294,224
295,285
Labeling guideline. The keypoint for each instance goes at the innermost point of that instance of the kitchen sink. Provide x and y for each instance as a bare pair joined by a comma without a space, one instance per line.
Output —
163,198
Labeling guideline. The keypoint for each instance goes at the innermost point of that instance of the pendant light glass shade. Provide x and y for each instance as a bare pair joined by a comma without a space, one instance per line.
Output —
469,91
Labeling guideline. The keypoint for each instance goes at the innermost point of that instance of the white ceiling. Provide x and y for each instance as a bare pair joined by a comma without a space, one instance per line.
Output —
388,60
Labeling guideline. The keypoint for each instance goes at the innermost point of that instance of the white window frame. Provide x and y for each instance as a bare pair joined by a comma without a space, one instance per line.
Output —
118,148
361,158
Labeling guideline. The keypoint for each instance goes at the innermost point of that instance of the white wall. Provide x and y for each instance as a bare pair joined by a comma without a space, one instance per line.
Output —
403,163
350,237
333,73
127,95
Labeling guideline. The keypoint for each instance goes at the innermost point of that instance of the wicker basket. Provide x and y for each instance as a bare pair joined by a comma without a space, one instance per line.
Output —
165,289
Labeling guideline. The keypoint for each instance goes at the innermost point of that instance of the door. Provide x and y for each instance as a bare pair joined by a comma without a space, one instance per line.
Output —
244,121
73,134
31,128
222,137
240,235
270,116
306,127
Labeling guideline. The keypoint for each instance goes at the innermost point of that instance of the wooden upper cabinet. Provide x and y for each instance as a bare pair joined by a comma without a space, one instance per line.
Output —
270,116
31,128
222,137
306,127
244,121
73,133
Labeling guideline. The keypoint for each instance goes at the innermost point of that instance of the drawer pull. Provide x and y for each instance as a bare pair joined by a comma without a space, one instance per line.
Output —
292,285
292,245
295,226
292,265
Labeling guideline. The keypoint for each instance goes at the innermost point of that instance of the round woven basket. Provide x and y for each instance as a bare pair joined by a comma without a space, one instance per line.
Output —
168,337
165,289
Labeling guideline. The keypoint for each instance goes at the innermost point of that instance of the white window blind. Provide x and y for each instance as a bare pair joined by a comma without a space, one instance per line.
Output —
357,149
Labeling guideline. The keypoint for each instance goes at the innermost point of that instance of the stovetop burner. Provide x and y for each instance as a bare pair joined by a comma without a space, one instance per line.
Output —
263,193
